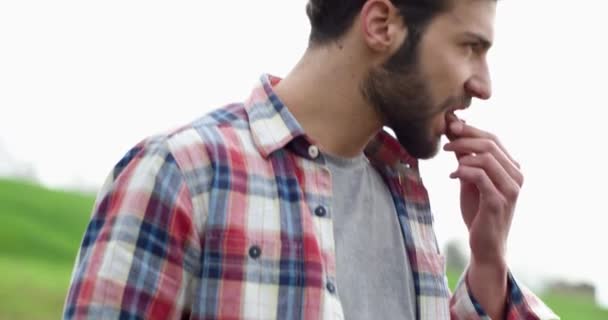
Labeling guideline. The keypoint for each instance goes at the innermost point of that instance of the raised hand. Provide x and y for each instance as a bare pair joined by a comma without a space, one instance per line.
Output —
490,181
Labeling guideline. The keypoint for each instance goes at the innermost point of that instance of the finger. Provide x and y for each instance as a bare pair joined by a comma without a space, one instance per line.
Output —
479,178
450,117
505,184
478,146
459,129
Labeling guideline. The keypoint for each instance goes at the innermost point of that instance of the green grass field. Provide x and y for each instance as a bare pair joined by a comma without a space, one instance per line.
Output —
41,229
566,306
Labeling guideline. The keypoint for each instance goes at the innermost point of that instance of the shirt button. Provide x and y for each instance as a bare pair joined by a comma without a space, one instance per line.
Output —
320,211
255,252
330,287
313,151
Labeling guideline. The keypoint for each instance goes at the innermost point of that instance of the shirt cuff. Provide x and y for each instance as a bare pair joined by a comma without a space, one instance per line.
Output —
521,303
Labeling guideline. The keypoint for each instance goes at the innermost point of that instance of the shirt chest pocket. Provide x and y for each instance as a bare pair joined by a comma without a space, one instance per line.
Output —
256,260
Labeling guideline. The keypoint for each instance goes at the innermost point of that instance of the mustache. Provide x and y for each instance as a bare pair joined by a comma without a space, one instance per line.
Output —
455,103
450,104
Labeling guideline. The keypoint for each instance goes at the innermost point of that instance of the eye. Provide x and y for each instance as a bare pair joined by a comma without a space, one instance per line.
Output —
473,47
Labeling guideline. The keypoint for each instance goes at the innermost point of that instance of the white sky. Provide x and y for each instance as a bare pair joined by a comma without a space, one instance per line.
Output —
83,81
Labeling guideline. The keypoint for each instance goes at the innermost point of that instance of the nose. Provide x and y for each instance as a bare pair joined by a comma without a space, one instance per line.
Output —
480,84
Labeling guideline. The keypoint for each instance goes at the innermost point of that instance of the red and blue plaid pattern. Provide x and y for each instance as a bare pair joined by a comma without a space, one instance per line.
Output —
215,221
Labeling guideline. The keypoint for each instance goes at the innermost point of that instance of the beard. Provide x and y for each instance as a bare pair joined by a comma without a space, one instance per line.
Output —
401,96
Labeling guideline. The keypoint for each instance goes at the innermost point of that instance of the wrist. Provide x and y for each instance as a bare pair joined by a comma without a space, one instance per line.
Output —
488,283
496,266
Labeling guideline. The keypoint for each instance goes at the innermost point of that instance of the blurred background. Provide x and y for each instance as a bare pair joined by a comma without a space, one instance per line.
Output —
83,81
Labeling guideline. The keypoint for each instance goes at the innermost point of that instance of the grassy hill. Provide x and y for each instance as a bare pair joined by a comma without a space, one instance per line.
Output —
41,229
40,232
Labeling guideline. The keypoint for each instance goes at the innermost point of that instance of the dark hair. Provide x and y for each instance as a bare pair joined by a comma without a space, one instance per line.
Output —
329,19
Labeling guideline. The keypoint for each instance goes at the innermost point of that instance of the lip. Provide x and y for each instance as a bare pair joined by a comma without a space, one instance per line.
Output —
461,104
450,116
460,107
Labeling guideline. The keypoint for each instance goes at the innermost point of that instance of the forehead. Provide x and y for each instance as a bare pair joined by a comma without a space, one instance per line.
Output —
467,16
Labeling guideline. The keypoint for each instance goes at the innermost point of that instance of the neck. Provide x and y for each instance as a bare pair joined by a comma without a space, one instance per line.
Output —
322,92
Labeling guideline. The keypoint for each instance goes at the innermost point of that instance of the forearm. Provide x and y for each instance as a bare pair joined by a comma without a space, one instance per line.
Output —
488,284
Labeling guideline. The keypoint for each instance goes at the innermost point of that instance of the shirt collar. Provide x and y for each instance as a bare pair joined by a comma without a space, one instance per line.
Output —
385,150
273,127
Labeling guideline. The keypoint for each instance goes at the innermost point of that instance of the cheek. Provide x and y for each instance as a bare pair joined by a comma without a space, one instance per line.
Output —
447,76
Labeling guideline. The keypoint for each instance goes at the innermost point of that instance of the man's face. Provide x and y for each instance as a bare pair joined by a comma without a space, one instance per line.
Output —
415,89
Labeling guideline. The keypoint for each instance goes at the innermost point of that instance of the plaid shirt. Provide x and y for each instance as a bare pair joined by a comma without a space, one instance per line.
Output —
219,220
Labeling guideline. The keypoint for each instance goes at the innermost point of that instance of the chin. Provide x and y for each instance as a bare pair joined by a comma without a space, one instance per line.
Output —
431,153
425,150
419,139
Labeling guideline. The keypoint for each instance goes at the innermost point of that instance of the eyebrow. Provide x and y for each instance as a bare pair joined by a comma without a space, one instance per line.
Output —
485,43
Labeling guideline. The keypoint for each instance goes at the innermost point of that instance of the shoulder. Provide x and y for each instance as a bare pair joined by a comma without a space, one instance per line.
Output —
208,139
190,146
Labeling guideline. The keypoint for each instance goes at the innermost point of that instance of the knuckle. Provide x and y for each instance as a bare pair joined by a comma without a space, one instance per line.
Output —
512,193
494,146
504,203
478,175
497,204
489,145
485,158
520,179
517,165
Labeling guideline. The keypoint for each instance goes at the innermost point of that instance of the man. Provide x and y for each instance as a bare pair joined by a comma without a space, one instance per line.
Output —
297,205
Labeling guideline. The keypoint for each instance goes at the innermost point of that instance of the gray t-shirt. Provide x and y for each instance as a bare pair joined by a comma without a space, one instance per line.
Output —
374,276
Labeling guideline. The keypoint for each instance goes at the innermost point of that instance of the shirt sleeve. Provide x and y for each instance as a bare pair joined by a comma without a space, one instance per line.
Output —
141,249
521,304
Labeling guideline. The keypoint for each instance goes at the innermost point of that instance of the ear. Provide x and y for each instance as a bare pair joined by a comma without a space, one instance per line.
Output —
382,26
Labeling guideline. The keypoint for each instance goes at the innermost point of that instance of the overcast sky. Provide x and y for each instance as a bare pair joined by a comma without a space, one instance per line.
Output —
83,81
